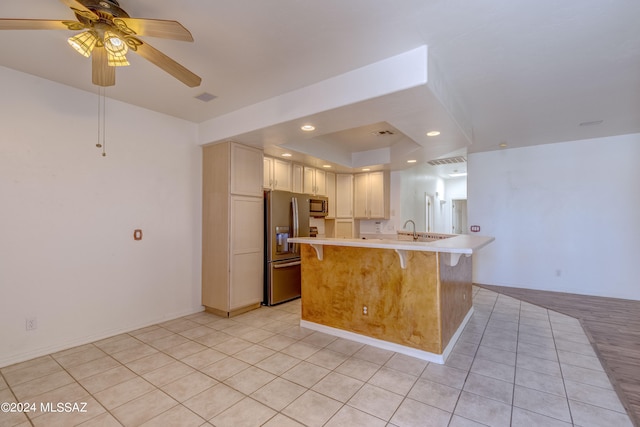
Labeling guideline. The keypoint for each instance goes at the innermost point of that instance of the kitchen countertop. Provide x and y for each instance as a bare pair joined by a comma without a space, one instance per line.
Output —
459,244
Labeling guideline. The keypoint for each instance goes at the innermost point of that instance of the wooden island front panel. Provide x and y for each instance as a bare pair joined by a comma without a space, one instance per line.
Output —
420,306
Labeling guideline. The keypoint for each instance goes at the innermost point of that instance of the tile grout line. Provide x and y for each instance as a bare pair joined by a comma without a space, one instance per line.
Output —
564,385
406,396
515,368
474,356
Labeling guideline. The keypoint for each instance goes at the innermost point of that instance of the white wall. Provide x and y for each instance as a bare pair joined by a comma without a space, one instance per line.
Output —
67,215
565,216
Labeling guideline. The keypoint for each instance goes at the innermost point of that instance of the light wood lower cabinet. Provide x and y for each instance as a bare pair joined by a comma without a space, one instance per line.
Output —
344,229
232,229
247,262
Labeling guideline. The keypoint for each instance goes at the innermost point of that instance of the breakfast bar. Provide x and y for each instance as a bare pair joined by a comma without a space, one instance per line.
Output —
412,297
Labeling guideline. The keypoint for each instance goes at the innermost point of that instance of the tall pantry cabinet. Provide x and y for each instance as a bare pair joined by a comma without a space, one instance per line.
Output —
232,228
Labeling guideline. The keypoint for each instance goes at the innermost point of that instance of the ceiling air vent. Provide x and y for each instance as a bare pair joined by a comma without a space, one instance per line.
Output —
382,132
447,161
205,97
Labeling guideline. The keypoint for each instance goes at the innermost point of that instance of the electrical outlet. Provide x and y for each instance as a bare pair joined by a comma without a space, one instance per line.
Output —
365,310
31,323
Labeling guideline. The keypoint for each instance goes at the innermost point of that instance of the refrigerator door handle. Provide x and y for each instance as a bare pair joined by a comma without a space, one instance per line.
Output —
288,264
296,224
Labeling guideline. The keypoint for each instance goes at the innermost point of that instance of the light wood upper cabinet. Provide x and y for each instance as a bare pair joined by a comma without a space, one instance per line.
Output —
378,195
371,195
246,170
321,182
277,174
331,194
282,175
267,172
344,196
298,178
309,180
360,193
315,181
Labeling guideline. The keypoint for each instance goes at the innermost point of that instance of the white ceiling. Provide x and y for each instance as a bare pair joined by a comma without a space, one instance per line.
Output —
526,72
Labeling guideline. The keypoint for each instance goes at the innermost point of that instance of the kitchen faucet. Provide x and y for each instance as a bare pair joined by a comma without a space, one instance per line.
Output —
415,235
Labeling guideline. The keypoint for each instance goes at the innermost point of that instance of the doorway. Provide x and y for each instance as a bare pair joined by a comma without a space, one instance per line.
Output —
429,212
459,216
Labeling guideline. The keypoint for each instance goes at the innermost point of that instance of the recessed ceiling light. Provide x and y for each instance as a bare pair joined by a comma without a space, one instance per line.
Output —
326,166
503,144
366,170
286,155
433,133
411,161
308,128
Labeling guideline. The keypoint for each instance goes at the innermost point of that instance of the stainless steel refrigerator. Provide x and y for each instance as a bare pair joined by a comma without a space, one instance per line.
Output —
286,215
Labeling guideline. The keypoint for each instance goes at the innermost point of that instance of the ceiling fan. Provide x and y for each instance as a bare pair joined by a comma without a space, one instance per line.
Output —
109,33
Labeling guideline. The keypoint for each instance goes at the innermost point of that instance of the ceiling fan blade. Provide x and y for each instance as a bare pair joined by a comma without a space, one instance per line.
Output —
38,24
102,74
154,28
81,9
158,58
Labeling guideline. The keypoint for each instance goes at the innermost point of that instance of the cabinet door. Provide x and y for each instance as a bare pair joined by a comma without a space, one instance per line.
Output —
246,170
281,175
298,175
376,195
331,194
344,229
360,195
267,173
321,182
309,180
246,281
344,196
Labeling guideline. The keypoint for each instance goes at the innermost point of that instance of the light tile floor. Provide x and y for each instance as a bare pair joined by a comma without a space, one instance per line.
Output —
514,364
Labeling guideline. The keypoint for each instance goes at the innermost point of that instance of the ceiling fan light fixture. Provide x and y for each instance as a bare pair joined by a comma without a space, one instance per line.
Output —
83,43
116,60
116,50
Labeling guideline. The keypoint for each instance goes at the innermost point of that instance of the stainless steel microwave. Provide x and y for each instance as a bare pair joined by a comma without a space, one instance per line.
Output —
318,206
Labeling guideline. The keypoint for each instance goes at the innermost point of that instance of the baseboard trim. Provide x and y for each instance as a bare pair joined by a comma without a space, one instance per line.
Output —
39,352
386,345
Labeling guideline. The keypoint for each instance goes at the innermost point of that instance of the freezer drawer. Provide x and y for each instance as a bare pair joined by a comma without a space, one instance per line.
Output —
284,281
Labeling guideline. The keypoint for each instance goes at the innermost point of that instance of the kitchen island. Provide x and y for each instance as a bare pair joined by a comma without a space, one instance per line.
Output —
410,297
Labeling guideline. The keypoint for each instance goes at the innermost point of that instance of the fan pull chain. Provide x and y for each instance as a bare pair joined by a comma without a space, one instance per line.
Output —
102,121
